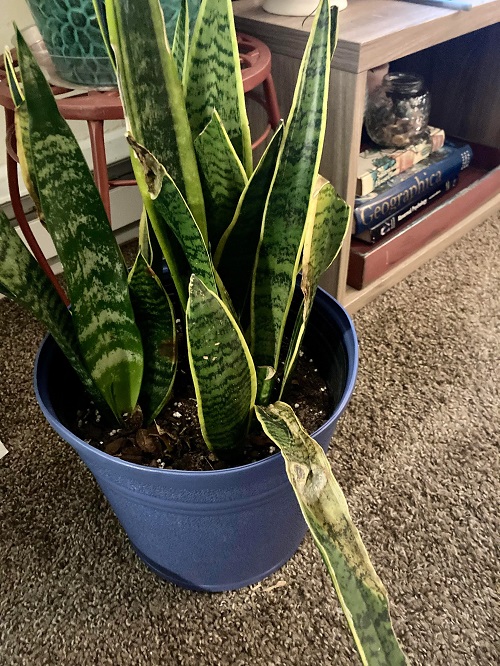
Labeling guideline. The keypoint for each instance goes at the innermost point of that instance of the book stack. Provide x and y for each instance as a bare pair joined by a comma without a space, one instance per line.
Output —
386,205
378,165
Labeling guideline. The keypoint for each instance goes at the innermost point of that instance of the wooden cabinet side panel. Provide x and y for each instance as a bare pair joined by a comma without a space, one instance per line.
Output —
340,157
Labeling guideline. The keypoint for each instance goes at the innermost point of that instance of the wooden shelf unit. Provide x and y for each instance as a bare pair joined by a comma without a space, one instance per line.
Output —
457,51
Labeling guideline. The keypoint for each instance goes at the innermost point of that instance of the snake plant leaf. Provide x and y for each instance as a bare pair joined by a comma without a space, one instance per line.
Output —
173,211
326,227
222,369
265,381
224,294
154,314
237,249
180,44
93,265
148,244
100,13
21,122
15,89
170,248
326,230
214,80
171,11
288,201
223,177
323,504
152,93
22,280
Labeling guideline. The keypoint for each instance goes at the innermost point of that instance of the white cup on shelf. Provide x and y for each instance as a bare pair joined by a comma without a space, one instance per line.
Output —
297,7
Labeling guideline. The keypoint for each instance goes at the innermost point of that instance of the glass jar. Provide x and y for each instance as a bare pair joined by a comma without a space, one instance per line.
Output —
397,112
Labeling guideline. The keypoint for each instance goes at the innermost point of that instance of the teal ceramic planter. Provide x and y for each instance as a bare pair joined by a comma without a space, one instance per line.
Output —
71,34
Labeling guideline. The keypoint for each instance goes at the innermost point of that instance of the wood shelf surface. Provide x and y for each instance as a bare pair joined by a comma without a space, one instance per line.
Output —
371,33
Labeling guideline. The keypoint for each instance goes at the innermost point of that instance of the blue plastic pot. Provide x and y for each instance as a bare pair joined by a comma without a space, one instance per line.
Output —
216,530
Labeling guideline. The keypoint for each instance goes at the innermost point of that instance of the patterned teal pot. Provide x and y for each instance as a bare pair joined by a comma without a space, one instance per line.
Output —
71,34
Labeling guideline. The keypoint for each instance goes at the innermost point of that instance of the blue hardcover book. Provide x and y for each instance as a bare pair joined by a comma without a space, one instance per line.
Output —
409,187
394,221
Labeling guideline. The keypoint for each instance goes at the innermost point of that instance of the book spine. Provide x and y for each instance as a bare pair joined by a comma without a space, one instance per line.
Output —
394,221
392,163
368,263
410,190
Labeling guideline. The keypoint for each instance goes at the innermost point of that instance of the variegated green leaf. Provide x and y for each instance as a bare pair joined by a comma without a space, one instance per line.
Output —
22,280
22,134
325,233
173,211
360,591
266,375
288,202
171,12
24,152
222,176
25,157
155,318
326,227
236,252
94,270
180,45
152,94
224,294
222,369
148,244
214,79
169,245
100,13
15,89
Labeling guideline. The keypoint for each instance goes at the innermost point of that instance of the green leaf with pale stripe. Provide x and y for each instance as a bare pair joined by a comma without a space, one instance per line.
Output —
155,318
15,89
326,228
24,154
214,79
23,281
224,294
236,252
170,247
323,504
152,94
93,265
222,176
288,201
181,39
21,122
100,13
148,244
222,369
173,211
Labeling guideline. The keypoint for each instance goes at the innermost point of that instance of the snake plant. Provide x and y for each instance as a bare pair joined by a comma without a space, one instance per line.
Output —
234,237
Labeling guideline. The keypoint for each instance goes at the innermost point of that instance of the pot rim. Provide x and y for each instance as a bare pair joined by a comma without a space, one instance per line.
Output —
345,324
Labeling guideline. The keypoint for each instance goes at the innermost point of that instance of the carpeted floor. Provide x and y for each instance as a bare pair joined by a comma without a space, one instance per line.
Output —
417,455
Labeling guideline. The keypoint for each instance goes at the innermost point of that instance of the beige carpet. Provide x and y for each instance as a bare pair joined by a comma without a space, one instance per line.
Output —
417,454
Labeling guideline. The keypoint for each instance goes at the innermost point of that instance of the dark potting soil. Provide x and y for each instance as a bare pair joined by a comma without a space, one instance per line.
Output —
174,440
